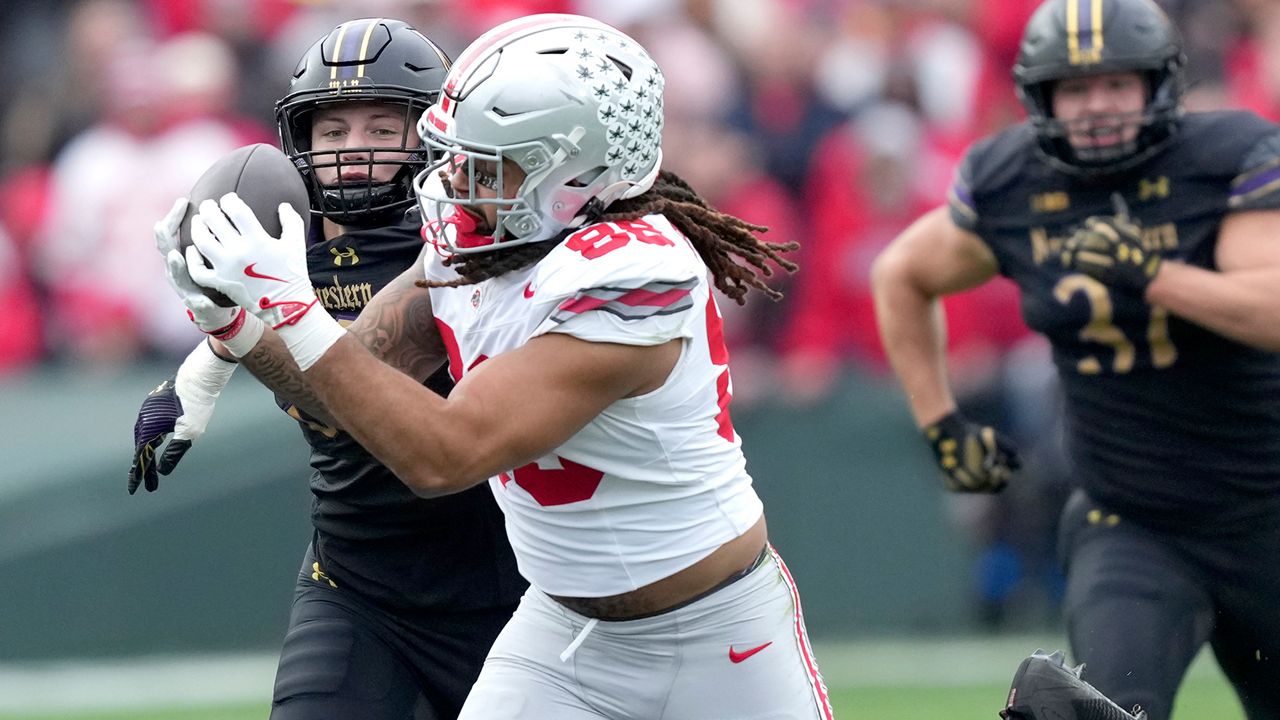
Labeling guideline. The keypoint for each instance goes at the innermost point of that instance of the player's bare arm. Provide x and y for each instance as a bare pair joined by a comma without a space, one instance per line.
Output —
1240,300
930,259
270,362
508,411
396,327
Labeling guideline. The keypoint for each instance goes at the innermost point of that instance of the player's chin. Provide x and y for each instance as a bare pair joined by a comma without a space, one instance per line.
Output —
1100,140
483,226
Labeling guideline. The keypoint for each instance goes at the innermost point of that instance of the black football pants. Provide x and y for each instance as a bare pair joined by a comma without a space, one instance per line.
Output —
1140,604
345,658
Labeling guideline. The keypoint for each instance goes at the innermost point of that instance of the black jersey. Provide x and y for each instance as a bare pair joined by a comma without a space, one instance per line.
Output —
372,532
1166,421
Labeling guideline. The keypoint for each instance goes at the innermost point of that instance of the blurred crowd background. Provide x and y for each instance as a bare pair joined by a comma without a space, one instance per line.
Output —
832,122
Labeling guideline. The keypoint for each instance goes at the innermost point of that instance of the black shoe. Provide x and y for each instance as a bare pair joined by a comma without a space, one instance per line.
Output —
1044,688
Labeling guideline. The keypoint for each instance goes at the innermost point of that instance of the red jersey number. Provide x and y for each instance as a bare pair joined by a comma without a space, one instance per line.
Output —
603,238
569,483
720,357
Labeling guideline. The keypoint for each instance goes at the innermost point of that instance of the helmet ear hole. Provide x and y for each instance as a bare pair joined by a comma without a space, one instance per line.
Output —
587,177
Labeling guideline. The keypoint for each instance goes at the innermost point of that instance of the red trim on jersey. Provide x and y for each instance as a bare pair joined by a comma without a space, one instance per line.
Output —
724,423
720,357
820,694
450,340
635,298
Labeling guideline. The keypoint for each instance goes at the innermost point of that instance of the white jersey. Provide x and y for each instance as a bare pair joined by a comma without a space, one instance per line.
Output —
654,483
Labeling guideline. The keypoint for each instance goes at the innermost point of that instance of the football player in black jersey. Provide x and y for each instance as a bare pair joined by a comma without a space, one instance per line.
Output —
1145,242
399,598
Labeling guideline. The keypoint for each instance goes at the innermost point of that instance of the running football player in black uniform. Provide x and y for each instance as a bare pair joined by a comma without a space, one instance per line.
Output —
1146,246
399,598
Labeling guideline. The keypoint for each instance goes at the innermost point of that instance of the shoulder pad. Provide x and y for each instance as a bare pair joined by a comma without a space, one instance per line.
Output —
1237,146
990,166
629,282
614,255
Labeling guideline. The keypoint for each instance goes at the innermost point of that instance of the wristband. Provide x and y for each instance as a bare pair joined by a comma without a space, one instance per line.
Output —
245,336
229,330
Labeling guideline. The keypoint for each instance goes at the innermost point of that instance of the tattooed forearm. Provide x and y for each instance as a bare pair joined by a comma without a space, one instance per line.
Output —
396,326
274,367
399,329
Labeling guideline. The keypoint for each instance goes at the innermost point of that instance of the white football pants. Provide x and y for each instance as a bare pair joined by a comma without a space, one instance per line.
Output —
740,653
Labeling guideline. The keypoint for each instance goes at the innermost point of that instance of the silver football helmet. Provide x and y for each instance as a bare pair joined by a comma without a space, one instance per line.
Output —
575,103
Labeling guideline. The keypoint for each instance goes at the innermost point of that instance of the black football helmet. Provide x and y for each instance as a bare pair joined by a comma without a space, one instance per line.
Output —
365,60
1073,38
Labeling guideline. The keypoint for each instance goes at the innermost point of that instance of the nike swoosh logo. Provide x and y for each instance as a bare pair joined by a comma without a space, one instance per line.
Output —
736,657
255,274
528,290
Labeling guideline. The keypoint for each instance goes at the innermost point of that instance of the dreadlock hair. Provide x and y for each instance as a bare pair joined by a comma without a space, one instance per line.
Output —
716,236
474,268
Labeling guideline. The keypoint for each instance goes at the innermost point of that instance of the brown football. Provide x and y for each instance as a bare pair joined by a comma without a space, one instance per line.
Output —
263,177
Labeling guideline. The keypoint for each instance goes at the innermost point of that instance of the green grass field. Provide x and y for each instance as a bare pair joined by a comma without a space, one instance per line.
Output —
875,680
1200,699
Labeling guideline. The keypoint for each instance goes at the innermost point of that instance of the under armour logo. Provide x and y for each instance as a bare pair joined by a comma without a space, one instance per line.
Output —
345,254
317,574
1157,187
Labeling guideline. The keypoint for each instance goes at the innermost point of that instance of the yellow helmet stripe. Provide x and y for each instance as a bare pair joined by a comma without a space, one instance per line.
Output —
1084,31
337,50
364,44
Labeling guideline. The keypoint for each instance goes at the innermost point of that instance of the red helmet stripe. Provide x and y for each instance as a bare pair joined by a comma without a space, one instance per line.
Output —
435,119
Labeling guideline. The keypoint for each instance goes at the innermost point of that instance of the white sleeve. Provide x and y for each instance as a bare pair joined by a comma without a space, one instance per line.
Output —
631,282
644,314
198,384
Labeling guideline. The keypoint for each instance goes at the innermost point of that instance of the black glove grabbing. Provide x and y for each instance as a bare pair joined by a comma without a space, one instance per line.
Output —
1109,249
156,420
974,458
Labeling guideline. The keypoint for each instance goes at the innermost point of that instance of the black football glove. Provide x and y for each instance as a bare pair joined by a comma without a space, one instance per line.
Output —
156,420
1109,249
973,458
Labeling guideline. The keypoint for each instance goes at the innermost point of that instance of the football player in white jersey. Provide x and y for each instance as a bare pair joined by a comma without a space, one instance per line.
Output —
567,280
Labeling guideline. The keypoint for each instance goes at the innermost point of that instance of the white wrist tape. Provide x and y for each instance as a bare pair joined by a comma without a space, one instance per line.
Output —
199,382
310,336
242,334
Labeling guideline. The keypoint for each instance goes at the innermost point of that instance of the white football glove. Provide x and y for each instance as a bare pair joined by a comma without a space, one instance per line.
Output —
265,275
230,325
